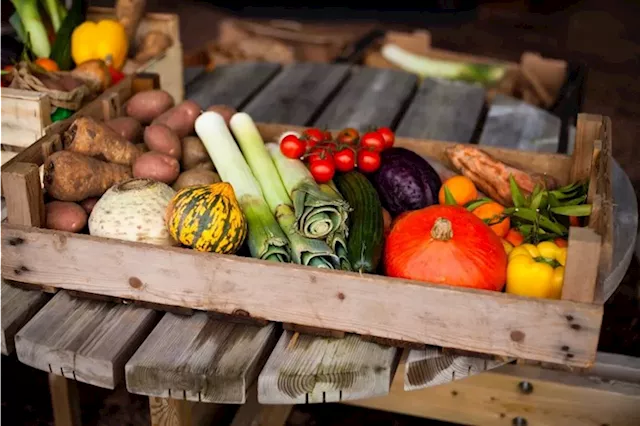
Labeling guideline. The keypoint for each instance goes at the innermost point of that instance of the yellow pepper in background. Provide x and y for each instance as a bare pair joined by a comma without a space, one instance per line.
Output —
536,270
106,40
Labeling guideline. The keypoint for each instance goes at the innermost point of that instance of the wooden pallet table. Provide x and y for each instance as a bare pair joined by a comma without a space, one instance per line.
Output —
181,361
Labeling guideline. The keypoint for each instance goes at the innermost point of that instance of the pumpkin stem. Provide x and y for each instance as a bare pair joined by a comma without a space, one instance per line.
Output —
442,230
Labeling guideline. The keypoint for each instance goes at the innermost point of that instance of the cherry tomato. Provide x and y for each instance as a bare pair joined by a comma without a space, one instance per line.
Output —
327,135
345,160
320,153
292,147
322,170
348,136
387,135
313,134
372,141
368,161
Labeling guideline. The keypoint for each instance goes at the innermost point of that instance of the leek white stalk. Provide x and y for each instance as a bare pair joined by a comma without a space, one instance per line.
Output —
486,74
304,250
266,240
338,240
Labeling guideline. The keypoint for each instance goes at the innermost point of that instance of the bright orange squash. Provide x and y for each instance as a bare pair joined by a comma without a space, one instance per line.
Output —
443,244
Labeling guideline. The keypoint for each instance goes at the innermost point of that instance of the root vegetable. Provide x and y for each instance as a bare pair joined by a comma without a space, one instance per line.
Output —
133,210
195,154
160,138
96,71
69,176
129,14
148,105
181,118
225,111
127,127
65,216
153,43
88,204
195,177
157,166
88,137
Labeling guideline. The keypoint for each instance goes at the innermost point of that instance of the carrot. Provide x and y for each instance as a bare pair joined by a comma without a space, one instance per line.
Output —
88,137
69,176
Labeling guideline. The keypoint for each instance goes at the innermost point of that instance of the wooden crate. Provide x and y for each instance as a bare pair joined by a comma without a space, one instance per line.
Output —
556,331
26,115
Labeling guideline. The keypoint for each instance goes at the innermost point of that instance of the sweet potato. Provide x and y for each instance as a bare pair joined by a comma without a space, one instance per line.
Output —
157,166
148,105
88,137
127,127
195,177
69,176
194,154
181,118
225,111
160,138
65,216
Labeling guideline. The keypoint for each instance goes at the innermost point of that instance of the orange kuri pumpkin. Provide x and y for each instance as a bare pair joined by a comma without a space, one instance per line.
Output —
443,244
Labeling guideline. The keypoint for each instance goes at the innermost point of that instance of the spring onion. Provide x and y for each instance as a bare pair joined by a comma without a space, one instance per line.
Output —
305,251
266,240
338,240
35,32
57,12
485,74
318,214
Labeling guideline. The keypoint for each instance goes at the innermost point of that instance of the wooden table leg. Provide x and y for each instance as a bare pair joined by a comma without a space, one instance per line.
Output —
252,413
180,412
65,401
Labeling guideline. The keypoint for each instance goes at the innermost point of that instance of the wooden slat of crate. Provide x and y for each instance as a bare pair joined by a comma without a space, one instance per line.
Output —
308,369
200,359
296,93
231,84
370,97
83,339
443,110
512,123
18,306
25,115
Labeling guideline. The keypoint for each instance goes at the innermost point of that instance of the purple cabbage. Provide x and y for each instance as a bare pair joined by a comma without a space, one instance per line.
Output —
405,181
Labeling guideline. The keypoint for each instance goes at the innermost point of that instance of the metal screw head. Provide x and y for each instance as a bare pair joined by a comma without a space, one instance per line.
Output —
525,387
519,421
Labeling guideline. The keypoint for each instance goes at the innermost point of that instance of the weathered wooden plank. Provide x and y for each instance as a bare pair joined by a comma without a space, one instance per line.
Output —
65,401
18,306
512,123
83,339
252,413
199,359
443,110
297,93
178,412
307,369
231,84
370,97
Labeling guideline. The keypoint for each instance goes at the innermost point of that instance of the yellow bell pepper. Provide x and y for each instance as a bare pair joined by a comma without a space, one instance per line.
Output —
106,40
536,270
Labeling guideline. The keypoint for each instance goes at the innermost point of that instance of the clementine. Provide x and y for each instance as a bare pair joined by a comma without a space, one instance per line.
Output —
514,237
491,214
47,64
462,189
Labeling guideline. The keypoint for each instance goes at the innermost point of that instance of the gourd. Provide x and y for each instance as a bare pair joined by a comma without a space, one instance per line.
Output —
443,244
207,218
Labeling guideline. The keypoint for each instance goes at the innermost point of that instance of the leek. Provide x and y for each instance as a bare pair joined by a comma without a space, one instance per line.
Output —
305,251
57,12
485,74
266,240
35,32
318,215
338,240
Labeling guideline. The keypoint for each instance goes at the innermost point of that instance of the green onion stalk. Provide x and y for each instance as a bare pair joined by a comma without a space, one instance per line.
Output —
318,215
35,32
265,240
305,251
338,240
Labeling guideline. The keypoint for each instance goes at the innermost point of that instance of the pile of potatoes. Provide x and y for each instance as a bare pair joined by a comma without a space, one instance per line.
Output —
155,140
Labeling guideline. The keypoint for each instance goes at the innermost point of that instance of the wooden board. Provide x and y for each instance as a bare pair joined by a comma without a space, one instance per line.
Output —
230,84
83,339
199,359
311,369
512,123
370,97
18,306
190,74
296,93
252,413
443,110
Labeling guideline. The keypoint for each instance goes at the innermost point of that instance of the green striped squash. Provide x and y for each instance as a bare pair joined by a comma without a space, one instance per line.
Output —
207,218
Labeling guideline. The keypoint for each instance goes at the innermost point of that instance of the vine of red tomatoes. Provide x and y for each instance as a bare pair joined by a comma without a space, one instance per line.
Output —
349,150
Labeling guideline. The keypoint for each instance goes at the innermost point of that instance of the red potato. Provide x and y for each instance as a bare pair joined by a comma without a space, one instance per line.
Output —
148,105
157,166
225,111
127,127
65,216
160,138
181,118
89,203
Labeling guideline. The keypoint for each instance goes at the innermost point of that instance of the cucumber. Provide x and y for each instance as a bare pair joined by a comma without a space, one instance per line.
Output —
366,224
